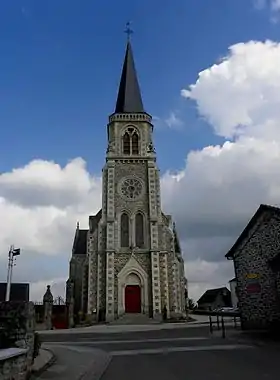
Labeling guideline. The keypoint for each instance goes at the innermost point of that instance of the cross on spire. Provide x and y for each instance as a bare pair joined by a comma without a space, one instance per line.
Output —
129,98
128,31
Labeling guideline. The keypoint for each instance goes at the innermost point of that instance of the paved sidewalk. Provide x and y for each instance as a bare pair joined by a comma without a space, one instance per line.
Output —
108,329
45,359
114,328
76,363
258,338
199,319
253,337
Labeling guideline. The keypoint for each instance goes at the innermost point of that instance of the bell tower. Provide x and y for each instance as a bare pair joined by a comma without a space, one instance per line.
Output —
131,211
129,260
129,129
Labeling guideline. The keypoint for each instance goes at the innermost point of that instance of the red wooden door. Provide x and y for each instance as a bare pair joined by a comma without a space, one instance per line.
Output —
132,299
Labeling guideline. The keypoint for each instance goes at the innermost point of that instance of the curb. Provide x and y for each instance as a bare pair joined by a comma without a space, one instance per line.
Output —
245,341
255,342
197,323
96,370
36,373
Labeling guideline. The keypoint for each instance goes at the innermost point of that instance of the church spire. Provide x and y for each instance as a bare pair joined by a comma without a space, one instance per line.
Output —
129,95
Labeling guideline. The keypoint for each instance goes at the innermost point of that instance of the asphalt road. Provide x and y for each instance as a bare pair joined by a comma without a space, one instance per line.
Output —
184,354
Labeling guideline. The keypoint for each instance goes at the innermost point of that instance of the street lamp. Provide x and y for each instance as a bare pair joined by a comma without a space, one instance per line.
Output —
13,252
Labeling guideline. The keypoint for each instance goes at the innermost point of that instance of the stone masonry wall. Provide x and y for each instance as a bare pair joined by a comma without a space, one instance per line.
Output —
76,274
120,260
13,365
258,309
17,320
92,279
125,170
144,259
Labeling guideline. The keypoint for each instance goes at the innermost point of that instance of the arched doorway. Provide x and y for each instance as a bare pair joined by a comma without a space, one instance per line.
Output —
133,274
132,294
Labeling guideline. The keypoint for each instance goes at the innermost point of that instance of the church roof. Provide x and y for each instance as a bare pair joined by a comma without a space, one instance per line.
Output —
252,223
129,98
94,220
176,240
80,242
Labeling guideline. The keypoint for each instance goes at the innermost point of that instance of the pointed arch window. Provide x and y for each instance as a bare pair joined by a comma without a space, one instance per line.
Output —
139,230
126,143
135,143
124,230
130,142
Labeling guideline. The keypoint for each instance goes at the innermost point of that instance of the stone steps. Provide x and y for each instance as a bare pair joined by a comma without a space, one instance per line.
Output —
134,319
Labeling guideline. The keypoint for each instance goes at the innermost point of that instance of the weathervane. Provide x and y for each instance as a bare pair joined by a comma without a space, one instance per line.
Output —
128,31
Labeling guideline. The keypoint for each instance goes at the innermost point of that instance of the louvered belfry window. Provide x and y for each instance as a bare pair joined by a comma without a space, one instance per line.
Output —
126,143
135,143
131,142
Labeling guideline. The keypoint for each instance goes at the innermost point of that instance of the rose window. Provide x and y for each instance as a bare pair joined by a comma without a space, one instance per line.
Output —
131,188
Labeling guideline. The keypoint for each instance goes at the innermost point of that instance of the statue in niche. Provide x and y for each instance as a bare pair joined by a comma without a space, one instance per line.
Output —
111,147
150,148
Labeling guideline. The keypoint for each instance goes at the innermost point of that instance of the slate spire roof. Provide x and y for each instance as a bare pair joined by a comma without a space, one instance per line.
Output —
129,98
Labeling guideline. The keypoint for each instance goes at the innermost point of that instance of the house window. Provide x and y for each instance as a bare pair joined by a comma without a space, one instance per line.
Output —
124,230
139,230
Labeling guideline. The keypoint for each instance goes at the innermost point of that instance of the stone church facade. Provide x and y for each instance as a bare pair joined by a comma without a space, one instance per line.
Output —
129,261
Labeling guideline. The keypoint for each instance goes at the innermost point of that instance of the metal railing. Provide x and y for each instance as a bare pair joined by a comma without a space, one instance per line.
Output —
217,319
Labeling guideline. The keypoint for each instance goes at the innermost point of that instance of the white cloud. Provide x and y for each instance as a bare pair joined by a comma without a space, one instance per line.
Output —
275,5
43,183
38,289
42,202
220,187
248,78
173,121
259,4
272,5
204,275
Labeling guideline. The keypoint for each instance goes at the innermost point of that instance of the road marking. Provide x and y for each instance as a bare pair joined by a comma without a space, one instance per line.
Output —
77,348
167,350
128,341
101,329
104,342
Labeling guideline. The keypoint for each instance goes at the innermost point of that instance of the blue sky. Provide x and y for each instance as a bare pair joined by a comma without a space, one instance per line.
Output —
61,61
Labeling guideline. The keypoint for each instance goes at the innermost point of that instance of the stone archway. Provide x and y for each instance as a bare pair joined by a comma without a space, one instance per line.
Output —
134,280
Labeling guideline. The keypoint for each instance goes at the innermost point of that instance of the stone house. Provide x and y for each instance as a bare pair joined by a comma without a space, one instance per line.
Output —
214,298
256,258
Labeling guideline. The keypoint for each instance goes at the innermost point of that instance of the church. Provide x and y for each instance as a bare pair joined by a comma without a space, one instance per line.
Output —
129,260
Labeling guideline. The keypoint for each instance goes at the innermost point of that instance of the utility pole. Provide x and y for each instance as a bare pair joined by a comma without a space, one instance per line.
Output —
12,253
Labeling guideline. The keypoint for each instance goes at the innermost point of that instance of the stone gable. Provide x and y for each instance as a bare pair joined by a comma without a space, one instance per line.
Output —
252,260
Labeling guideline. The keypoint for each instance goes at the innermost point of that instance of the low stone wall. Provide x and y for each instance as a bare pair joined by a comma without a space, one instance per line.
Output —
17,322
14,364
